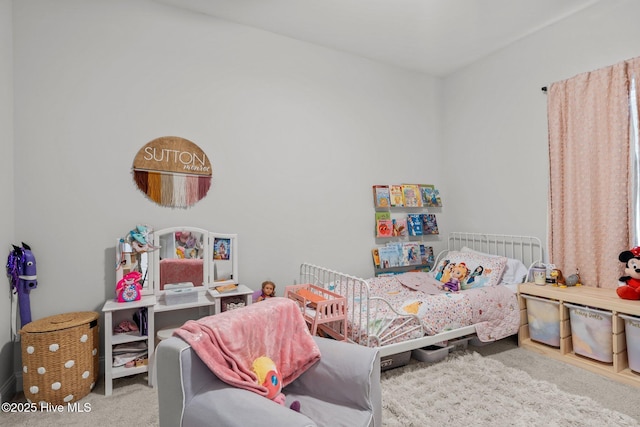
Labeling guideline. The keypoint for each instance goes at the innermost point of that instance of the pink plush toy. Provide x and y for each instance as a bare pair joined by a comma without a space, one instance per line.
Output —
269,377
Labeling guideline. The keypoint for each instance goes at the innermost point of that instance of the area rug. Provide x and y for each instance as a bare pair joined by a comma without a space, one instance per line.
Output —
470,390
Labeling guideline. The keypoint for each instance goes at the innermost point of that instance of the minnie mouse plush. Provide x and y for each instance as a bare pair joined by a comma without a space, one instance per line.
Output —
631,288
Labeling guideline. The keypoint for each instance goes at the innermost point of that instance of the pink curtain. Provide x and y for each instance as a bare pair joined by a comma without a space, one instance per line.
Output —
589,161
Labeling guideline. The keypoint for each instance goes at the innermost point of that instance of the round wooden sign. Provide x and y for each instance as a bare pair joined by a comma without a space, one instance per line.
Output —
172,171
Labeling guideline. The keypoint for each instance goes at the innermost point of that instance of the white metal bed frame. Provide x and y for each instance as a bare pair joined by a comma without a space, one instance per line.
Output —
382,333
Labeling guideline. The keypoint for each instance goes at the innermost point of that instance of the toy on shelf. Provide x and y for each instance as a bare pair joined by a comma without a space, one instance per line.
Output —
129,288
132,255
630,288
558,278
137,241
140,238
574,279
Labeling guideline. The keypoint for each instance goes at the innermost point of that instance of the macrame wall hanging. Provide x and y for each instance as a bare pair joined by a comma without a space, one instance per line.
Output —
172,171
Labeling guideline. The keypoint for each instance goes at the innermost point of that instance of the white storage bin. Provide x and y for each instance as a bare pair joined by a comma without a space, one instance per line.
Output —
591,332
395,360
632,333
459,344
475,341
232,303
543,316
431,354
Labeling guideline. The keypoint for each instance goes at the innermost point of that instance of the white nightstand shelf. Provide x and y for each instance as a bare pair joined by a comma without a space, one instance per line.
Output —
241,291
114,313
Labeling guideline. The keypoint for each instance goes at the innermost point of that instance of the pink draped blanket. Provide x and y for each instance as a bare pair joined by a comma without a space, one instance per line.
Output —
229,342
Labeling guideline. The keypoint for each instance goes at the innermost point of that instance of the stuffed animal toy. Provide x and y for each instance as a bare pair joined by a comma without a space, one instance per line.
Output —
631,287
269,377
180,252
458,274
574,279
558,278
140,238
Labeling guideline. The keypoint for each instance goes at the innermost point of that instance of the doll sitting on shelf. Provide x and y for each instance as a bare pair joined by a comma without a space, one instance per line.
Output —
268,290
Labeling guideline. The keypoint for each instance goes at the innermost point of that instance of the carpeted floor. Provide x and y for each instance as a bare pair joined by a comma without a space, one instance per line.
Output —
572,379
468,389
438,398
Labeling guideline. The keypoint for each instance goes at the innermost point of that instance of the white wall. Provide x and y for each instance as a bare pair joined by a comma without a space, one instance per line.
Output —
297,135
6,193
495,114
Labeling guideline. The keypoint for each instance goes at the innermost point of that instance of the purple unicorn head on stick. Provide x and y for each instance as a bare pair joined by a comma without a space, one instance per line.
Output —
21,269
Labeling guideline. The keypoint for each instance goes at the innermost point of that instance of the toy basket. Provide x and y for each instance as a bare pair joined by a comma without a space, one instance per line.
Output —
60,357
232,303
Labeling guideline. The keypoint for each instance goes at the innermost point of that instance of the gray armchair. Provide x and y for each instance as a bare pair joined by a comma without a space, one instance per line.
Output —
341,389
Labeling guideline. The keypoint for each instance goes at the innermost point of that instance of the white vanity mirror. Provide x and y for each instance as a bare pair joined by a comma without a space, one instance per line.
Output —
193,256
224,250
180,257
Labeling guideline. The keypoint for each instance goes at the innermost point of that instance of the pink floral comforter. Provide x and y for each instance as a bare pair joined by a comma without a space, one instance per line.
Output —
493,310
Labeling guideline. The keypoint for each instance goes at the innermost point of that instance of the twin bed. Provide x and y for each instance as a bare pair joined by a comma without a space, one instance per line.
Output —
472,290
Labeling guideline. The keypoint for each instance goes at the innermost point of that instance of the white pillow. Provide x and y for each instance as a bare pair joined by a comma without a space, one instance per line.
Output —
514,272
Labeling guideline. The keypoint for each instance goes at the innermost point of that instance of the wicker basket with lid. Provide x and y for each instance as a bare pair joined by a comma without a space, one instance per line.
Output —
60,357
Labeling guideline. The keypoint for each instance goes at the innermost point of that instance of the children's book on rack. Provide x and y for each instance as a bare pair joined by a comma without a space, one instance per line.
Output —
384,228
402,254
412,197
426,255
389,256
381,197
411,253
430,224
376,257
384,224
400,227
382,215
397,196
414,223
430,195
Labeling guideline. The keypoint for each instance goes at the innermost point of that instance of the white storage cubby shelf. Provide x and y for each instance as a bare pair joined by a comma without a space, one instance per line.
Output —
565,299
114,313
214,269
